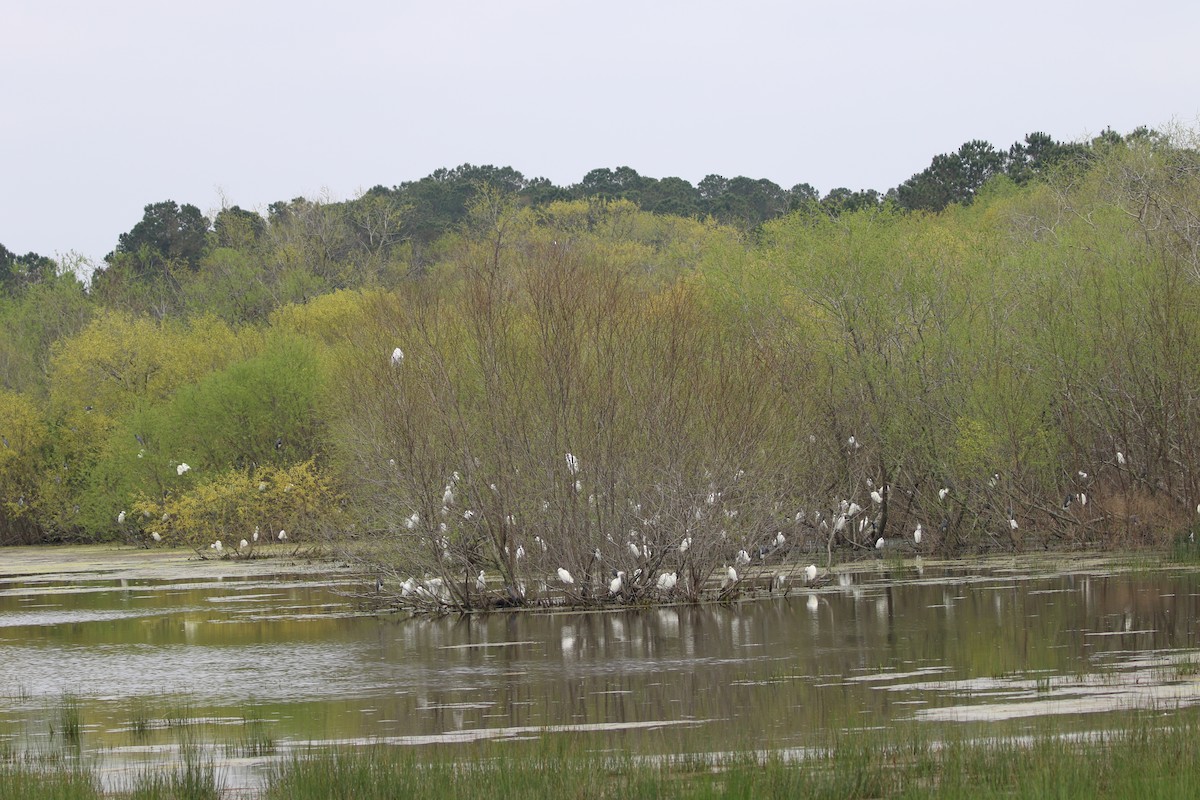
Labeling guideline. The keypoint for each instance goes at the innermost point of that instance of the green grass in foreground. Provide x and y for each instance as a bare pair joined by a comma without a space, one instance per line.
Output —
1153,756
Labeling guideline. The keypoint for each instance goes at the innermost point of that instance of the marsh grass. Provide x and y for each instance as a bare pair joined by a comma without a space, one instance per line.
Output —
1151,755
67,720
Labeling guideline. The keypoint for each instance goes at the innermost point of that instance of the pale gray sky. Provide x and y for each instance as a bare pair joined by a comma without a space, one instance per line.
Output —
110,106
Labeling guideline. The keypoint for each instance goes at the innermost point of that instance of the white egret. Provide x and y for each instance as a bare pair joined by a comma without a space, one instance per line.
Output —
572,464
633,549
397,357
412,520
731,577
942,492
876,497
282,536
216,546
578,487
810,573
520,552
1082,499
481,582
780,539
879,544
917,534
667,581
853,509
155,536
853,443
182,468
1082,475
687,540
741,559
254,536
243,544
448,496
1120,457
565,577
1012,523
468,514
408,587
121,518
840,524
615,585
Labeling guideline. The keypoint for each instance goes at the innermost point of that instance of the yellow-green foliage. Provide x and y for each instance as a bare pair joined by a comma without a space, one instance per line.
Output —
25,434
232,504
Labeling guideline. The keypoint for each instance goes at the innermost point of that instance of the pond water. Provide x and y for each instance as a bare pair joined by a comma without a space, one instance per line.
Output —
251,660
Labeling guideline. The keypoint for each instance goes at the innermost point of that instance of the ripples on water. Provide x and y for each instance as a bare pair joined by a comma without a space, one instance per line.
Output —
292,658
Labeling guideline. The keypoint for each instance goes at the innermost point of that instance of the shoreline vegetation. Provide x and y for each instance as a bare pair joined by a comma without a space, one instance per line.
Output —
1151,755
501,390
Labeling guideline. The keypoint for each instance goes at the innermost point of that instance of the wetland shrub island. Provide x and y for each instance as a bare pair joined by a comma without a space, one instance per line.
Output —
494,391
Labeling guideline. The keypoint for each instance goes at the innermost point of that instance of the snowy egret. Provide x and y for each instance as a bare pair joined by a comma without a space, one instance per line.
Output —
615,585
917,534
687,540
448,496
397,357
853,509
254,536
1012,523
876,497
243,544
942,492
840,524
408,587
216,546
155,536
520,552
667,581
182,468
634,551
411,521
565,576
741,559
282,536
1082,499
810,573
1120,458
121,518
572,464
481,582
879,543
780,539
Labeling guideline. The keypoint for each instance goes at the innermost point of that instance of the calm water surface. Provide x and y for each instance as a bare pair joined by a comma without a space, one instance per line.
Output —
250,664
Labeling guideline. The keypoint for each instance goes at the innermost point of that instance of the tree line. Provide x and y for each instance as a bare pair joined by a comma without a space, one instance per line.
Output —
579,383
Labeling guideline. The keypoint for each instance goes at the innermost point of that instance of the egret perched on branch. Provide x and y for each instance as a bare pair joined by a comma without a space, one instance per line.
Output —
687,541
780,539
853,509
412,520
572,464
876,497
917,534
667,581
397,357
481,582
121,518
155,536
243,544
565,577
633,549
810,573
216,546
448,496
254,536
942,492
731,577
879,543
1120,458
741,559
182,468
615,585
282,536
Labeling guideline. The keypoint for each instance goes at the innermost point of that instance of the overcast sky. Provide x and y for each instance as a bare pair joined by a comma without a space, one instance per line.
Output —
110,106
